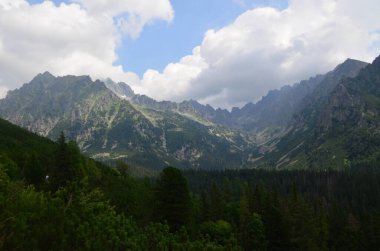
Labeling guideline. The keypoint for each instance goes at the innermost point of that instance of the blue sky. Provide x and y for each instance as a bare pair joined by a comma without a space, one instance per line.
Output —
161,43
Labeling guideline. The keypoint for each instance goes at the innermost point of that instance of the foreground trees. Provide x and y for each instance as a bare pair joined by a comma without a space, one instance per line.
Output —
88,206
173,203
68,166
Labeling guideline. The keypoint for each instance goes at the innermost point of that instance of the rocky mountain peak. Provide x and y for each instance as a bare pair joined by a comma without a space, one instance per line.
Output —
349,66
376,62
46,74
121,89
110,122
45,77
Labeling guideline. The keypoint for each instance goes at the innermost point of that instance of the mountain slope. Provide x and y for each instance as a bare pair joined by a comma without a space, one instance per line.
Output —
189,108
110,122
264,120
108,127
270,117
337,128
22,146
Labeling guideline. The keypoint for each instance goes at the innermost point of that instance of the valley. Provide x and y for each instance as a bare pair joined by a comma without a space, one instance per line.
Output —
164,125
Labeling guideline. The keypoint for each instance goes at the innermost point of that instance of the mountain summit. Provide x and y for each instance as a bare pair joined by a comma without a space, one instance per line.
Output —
285,128
337,126
109,126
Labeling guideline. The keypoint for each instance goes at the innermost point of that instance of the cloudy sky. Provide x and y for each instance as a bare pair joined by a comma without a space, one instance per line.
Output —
221,52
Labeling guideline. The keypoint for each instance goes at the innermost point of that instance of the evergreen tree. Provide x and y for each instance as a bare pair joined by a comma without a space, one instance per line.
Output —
244,217
34,172
216,202
205,207
256,234
303,226
323,231
276,224
68,164
173,198
62,171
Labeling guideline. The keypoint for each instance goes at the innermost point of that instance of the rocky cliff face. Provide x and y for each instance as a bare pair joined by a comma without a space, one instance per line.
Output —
294,127
108,127
339,123
355,102
270,117
307,114
267,119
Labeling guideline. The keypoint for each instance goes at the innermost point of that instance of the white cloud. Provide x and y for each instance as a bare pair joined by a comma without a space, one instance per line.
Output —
77,38
140,12
175,79
265,48
8,4
3,91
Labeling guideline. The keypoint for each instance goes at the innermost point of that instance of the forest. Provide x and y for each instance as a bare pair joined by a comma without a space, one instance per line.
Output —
54,198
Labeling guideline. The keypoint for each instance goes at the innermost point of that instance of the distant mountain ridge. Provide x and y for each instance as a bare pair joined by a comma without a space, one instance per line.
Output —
266,119
111,128
110,122
338,125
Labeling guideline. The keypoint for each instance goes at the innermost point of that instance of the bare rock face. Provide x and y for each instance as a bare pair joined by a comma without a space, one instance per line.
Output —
294,127
335,127
105,122
355,102
267,119
341,107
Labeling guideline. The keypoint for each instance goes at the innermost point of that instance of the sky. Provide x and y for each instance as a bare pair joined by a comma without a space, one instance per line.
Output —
220,52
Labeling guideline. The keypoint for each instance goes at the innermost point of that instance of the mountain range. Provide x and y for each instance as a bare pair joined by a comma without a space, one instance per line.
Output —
338,125
108,127
310,124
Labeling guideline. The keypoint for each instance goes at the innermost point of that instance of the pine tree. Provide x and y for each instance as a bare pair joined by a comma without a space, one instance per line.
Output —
276,224
216,202
244,217
303,226
67,163
256,234
173,199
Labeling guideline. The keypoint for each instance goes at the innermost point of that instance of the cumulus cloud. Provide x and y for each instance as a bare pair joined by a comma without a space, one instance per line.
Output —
3,91
78,38
265,48
130,15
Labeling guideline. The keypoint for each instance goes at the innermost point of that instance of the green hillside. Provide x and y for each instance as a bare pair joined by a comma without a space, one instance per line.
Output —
84,205
337,130
24,154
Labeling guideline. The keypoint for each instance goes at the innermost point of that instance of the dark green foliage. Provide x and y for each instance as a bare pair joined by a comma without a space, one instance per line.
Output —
277,225
256,234
92,206
303,228
216,203
86,205
173,199
24,154
67,166
299,210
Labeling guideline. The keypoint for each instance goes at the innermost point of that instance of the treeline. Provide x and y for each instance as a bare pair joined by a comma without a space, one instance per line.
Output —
70,202
293,210
58,199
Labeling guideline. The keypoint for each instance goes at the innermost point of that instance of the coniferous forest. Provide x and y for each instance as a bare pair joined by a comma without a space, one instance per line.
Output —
54,198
